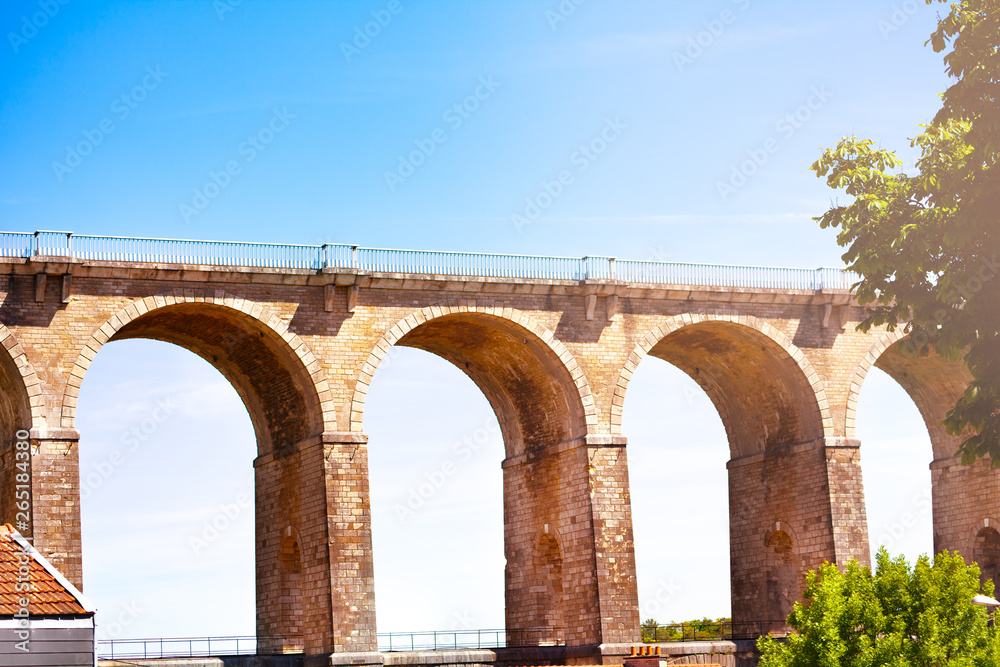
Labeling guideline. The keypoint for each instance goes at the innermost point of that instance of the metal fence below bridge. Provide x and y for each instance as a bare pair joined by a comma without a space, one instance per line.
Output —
438,640
181,647
430,640
709,630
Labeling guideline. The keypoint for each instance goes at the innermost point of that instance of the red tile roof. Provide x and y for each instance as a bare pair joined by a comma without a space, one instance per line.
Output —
50,593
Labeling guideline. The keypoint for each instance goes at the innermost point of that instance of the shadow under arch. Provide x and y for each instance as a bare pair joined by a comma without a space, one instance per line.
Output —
21,409
534,385
765,389
272,370
932,382
963,498
784,457
546,413
21,402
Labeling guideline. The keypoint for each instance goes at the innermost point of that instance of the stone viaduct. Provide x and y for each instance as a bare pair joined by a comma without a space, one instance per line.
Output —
551,342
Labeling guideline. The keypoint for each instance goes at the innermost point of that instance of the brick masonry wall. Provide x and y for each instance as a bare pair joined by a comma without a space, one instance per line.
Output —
966,499
812,493
574,496
351,574
847,500
55,491
611,510
289,502
547,496
554,358
788,489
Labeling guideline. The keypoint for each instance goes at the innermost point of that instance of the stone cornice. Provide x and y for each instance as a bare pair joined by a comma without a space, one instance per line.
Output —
444,284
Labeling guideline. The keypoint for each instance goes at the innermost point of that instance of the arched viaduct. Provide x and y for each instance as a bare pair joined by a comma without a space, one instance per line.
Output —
551,344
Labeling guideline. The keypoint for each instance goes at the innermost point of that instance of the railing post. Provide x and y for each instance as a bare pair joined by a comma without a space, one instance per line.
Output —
611,268
69,244
586,268
322,256
34,252
354,257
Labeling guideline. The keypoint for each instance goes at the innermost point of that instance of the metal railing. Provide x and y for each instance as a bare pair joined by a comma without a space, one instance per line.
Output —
437,640
440,263
194,647
713,630
430,640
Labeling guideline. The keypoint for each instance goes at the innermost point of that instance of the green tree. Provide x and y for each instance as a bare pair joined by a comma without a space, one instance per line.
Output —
705,628
898,617
927,244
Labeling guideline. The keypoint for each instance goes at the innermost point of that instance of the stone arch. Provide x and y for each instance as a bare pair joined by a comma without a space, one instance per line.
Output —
781,378
932,382
536,388
861,372
282,385
780,526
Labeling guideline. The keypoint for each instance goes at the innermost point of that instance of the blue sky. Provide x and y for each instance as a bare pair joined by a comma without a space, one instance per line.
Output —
266,121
